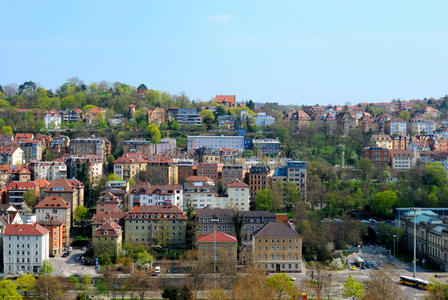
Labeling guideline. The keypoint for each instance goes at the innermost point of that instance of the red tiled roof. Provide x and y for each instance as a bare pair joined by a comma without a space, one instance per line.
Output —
54,112
132,157
216,237
24,136
25,229
102,217
63,185
164,212
237,184
108,229
20,185
53,202
51,221
225,99
198,178
42,183
8,150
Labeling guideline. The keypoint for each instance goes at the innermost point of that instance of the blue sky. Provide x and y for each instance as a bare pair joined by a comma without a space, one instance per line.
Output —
291,52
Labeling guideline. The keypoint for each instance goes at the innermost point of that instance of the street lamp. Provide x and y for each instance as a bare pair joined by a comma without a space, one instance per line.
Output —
395,236
415,209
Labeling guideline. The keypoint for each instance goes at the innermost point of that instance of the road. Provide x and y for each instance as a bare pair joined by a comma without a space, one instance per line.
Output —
67,266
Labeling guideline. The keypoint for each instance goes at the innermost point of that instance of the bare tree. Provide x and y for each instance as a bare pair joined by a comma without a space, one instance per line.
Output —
111,279
381,285
252,286
196,271
141,282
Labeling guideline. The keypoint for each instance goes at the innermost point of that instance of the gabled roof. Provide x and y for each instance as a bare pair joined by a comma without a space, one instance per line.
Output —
216,237
237,184
53,112
64,185
198,178
20,185
273,229
102,217
108,229
132,157
51,221
225,99
166,212
53,202
25,229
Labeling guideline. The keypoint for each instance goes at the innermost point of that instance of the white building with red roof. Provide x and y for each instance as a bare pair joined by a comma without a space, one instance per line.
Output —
52,119
25,247
145,194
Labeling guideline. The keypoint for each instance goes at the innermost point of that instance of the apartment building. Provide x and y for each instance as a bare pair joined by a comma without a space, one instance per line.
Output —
199,191
226,100
107,236
293,171
231,173
100,147
230,156
130,165
52,209
55,229
215,142
156,225
212,171
259,178
264,120
48,170
402,159
266,146
25,247
77,164
278,248
166,145
108,202
420,125
188,117
238,196
145,194
396,126
11,155
139,145
32,150
52,119
16,192
185,168
217,247
162,172
380,157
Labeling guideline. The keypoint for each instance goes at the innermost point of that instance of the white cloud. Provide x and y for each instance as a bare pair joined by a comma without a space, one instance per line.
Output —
221,18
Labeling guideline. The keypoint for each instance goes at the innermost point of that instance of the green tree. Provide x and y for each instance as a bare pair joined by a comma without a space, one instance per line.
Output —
281,284
366,167
7,130
101,287
81,216
4,103
30,199
153,132
26,283
405,115
383,202
112,177
439,290
46,268
248,153
144,257
263,200
8,290
48,287
292,194
207,117
353,288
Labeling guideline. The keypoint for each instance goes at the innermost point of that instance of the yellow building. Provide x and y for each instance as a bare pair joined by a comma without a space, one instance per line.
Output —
278,248
162,225
161,172
130,164
107,236
226,247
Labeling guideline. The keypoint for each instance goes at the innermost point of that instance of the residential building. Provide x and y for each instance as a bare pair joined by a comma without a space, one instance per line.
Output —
266,146
11,155
222,220
227,100
144,194
17,191
52,119
259,178
295,172
77,164
163,172
108,202
227,122
208,155
94,115
108,237
188,117
380,157
217,247
72,115
55,229
431,112
166,145
139,145
156,225
100,147
421,126
9,215
25,247
32,150
157,116
130,165
199,191
48,170
264,120
212,171
238,196
55,207
185,168
278,248
60,144
71,190
396,126
101,218
215,142
229,156
437,157
231,173
402,159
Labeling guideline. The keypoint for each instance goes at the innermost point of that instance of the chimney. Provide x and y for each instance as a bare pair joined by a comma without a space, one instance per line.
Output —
10,216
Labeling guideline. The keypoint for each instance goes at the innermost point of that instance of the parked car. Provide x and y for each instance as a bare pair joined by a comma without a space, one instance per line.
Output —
65,254
157,270
70,249
292,278
372,221
84,249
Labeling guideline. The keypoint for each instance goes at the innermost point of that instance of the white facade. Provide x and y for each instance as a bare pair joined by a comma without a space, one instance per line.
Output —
215,142
50,170
398,127
200,199
263,120
52,119
165,146
238,198
157,198
24,252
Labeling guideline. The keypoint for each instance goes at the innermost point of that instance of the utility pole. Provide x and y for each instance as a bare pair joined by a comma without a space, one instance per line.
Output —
214,220
394,245
415,239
